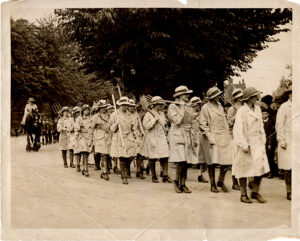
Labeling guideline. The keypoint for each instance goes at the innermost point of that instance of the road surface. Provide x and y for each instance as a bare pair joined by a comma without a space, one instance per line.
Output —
46,195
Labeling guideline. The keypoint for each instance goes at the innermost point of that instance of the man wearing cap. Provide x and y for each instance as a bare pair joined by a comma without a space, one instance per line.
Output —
138,134
123,144
63,127
215,126
203,148
30,106
155,146
83,128
182,150
76,114
284,138
102,137
250,159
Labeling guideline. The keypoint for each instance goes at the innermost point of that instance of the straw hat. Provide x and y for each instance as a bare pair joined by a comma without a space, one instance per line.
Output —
123,101
65,108
132,103
94,107
109,107
237,93
157,100
195,101
102,104
85,107
250,92
181,90
213,92
31,100
76,109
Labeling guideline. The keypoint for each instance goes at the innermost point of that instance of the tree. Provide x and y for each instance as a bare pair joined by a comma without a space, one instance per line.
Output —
152,51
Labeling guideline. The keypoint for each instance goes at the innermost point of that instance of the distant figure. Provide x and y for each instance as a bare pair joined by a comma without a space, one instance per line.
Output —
30,106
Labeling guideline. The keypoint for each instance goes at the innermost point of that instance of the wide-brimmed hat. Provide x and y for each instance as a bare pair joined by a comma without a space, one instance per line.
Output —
237,93
102,104
31,100
213,92
181,90
132,103
76,109
123,101
84,107
109,107
94,107
157,100
250,92
195,101
65,108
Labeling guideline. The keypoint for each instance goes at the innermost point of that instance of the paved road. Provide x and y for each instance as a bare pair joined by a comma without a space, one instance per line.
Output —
46,195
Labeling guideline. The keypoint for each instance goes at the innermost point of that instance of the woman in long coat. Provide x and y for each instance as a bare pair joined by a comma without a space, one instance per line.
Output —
83,127
102,137
215,126
284,137
76,114
156,144
63,127
250,159
182,142
123,144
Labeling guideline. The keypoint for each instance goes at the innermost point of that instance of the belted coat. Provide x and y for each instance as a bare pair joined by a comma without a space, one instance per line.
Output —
83,127
64,126
284,134
101,133
183,140
127,148
155,144
248,131
214,124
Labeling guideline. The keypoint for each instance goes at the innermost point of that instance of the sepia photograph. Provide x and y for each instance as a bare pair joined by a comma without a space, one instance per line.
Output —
133,119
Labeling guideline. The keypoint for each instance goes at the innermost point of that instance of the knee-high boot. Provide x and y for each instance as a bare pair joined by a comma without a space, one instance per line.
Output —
71,156
77,158
164,164
64,157
223,170
128,163
177,181
97,158
184,188
211,173
123,170
255,194
288,183
235,184
153,170
104,172
86,163
139,173
243,185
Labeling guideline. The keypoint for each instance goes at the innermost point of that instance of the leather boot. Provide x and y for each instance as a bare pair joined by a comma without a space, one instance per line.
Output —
86,164
255,194
153,171
64,156
288,183
202,179
177,184
235,184
104,174
244,196
123,170
128,172
223,170
211,173
77,158
139,173
71,156
97,157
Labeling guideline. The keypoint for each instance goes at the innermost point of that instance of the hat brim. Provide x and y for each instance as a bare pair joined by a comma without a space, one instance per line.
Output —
238,96
123,103
215,95
85,109
102,106
182,93
254,94
158,103
196,103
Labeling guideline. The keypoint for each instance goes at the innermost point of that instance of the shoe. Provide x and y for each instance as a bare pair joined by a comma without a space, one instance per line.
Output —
258,197
236,186
185,189
155,180
202,179
245,199
106,177
213,188
72,165
116,170
82,172
108,171
125,181
140,175
102,175
270,175
86,173
289,196
96,167
78,168
65,165
222,186
167,179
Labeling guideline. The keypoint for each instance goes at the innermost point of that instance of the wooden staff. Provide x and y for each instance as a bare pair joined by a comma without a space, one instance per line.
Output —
119,126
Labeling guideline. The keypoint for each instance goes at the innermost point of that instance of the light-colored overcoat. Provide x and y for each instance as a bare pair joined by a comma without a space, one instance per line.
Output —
182,138
214,124
63,127
284,134
83,127
155,144
101,133
127,127
76,137
248,131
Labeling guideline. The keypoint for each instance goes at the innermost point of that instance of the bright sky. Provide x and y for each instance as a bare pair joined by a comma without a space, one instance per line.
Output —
267,68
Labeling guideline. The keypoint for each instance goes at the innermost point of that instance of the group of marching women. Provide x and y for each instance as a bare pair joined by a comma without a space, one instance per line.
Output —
189,133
